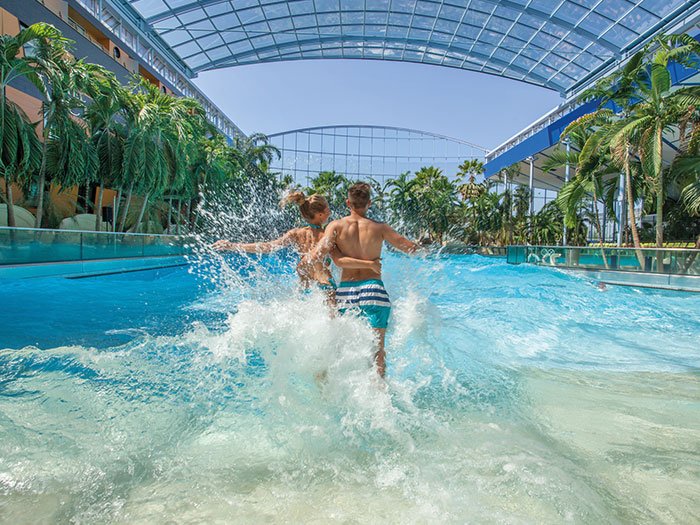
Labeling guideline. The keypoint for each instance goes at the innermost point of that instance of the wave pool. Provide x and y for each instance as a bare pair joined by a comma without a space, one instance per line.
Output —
514,394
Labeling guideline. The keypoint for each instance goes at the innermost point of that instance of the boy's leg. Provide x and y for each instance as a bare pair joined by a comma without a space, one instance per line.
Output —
380,355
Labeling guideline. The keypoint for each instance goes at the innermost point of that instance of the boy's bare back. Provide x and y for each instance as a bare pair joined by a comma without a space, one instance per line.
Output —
363,238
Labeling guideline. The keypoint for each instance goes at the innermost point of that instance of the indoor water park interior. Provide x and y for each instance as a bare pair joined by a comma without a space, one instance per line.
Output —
339,261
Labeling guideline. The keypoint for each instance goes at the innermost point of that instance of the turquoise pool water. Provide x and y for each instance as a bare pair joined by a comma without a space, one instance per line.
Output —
515,394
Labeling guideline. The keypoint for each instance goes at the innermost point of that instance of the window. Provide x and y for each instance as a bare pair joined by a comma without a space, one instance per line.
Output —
29,48
117,53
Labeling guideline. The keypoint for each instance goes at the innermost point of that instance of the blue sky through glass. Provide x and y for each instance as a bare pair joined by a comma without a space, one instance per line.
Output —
282,96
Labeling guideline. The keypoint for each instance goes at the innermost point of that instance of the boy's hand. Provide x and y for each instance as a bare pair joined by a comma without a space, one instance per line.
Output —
376,266
223,245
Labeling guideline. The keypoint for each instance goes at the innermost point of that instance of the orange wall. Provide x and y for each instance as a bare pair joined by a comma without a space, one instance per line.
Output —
17,193
59,7
64,201
9,25
30,105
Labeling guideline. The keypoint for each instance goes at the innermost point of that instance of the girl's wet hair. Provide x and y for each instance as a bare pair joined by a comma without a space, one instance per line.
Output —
308,206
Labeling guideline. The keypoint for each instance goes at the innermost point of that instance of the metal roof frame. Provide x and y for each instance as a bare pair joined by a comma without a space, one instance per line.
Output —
556,44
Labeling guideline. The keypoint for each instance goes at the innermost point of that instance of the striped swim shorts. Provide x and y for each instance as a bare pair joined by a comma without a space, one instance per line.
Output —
369,297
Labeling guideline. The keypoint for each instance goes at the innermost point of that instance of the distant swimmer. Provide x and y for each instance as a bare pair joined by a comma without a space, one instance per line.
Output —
362,288
315,211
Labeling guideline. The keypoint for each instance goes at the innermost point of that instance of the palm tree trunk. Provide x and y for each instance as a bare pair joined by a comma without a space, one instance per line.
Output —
659,198
630,211
86,198
98,211
126,207
115,210
598,228
10,203
193,213
659,204
141,213
187,213
41,184
179,210
8,181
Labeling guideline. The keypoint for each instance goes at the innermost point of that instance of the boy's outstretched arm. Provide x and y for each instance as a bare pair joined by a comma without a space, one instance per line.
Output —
398,241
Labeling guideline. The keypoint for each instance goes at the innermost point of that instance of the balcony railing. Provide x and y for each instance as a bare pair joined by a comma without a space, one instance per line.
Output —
31,246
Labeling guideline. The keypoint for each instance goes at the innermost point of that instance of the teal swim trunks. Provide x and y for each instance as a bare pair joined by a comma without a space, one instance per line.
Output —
328,287
369,297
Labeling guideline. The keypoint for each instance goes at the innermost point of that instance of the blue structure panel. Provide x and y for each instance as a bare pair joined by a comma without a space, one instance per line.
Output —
538,142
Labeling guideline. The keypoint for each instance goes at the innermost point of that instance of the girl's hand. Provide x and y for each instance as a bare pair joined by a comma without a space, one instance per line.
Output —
376,266
223,245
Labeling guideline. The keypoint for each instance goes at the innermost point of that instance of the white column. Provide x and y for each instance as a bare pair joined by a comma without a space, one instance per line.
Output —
531,160
567,173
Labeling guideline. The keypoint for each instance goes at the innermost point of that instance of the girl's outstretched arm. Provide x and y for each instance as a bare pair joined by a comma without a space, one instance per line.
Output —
255,247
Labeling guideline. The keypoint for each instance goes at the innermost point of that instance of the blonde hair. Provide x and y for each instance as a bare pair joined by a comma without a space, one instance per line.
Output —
308,206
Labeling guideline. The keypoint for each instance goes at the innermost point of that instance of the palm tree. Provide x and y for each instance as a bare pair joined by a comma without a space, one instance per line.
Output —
401,200
21,151
616,90
591,165
471,191
649,109
378,199
436,198
254,154
105,119
592,135
657,110
68,154
210,168
486,217
507,201
470,167
158,129
20,147
334,186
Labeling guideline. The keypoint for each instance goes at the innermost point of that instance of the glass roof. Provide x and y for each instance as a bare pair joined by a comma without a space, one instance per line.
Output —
552,43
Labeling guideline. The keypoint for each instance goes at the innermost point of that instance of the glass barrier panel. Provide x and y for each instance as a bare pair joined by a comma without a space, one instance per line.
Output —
37,246
161,246
113,246
648,260
27,245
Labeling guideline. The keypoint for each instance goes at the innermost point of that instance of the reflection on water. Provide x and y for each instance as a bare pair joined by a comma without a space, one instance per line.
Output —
514,395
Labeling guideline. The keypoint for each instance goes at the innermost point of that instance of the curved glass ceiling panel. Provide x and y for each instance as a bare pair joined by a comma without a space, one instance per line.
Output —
551,43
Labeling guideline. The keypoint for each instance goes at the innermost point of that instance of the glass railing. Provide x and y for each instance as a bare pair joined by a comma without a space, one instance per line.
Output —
668,261
30,246
493,251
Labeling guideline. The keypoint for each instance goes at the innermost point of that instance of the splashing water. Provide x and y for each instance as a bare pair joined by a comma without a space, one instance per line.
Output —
222,394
